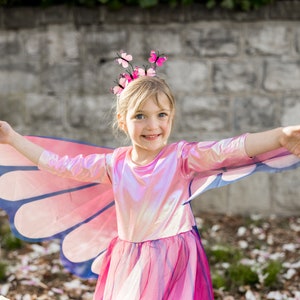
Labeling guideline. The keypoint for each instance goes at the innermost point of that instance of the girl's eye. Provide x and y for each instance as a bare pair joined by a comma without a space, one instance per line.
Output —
139,116
162,115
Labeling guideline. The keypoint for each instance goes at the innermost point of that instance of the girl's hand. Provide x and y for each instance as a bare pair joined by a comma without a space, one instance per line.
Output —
20,143
290,139
6,132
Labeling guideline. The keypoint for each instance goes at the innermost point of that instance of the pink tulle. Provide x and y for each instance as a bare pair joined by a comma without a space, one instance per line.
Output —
170,268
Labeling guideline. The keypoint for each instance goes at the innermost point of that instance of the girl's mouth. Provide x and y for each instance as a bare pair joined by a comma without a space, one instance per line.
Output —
151,137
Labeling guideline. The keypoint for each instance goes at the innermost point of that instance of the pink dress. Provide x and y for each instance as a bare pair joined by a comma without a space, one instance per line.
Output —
158,252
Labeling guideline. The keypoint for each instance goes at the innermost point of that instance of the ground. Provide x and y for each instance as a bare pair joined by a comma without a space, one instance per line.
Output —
251,258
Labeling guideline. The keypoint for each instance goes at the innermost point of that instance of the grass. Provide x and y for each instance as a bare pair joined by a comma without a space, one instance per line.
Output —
7,240
235,273
234,269
229,273
271,272
10,242
3,268
239,274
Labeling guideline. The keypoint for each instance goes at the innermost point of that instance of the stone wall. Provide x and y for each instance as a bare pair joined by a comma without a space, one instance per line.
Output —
230,72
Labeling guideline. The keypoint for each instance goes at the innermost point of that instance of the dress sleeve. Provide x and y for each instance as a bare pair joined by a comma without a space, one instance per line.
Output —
91,168
213,156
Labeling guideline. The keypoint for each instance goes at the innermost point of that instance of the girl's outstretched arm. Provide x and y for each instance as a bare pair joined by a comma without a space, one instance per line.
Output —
9,136
261,142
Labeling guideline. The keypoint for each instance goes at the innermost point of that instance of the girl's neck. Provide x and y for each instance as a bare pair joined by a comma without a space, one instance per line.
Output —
143,159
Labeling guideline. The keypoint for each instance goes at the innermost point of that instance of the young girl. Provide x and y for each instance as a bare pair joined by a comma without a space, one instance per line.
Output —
158,252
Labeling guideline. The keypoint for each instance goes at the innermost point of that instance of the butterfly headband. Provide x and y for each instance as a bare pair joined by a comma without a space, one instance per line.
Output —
131,73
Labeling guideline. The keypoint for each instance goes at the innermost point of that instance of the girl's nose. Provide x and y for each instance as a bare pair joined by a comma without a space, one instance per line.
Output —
151,123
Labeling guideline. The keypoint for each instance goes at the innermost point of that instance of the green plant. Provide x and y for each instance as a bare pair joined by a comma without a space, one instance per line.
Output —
10,242
242,5
7,239
219,281
272,271
3,267
234,274
223,253
240,274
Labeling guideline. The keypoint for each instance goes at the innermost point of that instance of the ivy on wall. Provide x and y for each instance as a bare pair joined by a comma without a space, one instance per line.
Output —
242,5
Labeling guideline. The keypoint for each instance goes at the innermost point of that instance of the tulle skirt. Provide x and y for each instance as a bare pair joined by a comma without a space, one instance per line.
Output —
170,268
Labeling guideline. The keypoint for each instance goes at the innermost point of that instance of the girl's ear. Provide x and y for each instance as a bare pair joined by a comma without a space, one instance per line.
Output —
122,123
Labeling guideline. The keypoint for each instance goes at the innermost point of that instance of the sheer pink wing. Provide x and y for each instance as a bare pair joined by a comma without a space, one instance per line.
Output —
42,206
271,162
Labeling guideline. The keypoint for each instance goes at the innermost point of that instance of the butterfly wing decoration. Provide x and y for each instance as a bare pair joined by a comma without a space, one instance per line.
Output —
124,59
274,161
42,206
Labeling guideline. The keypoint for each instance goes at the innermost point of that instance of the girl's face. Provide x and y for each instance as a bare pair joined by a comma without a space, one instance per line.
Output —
149,128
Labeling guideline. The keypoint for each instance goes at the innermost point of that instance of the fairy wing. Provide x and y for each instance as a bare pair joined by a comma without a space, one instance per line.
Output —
42,206
273,161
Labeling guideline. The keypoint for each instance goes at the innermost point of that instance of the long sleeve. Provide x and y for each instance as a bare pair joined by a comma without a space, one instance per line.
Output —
92,168
211,156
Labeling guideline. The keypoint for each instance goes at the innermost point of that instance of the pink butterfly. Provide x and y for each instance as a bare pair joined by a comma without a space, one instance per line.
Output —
121,85
146,72
157,59
131,76
124,59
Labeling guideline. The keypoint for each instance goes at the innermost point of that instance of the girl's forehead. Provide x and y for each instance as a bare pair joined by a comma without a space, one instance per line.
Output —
161,101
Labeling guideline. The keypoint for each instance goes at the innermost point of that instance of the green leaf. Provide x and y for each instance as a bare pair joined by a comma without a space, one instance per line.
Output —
228,4
148,3
210,4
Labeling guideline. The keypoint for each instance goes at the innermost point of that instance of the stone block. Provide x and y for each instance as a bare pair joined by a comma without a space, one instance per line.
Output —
284,10
290,110
44,108
33,45
87,16
255,113
268,39
47,128
165,41
62,79
200,113
286,191
282,75
20,17
158,15
126,15
187,76
13,109
62,44
212,201
98,78
90,112
101,42
297,40
59,14
213,40
17,81
235,76
250,195
106,77
201,12
9,44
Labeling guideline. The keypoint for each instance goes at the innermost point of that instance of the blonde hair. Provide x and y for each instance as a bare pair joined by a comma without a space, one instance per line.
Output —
137,92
